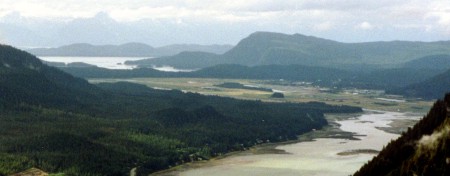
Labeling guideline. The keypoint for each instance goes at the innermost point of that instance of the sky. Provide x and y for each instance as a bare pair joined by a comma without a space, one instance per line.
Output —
50,23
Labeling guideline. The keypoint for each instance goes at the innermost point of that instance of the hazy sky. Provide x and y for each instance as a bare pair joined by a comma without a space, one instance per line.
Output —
162,22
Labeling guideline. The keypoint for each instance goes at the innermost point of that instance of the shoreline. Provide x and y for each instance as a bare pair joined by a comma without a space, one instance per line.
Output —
330,131
340,148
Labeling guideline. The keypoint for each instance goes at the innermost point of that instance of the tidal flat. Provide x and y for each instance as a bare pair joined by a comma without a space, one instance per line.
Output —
316,153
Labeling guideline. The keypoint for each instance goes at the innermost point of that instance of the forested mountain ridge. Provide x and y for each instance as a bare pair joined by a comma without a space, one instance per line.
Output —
231,71
25,79
62,124
266,48
126,50
436,62
389,79
422,150
181,60
431,88
384,79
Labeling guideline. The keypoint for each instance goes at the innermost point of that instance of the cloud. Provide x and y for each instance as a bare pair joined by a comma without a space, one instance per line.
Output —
139,9
364,26
221,10
440,15
353,20
325,26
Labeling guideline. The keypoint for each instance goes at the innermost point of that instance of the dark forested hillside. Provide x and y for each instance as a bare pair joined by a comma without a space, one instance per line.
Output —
422,150
97,72
62,124
432,88
265,48
435,62
190,60
24,79
388,79
287,72
385,79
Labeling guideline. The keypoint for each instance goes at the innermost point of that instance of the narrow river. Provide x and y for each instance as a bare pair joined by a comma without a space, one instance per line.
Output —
323,156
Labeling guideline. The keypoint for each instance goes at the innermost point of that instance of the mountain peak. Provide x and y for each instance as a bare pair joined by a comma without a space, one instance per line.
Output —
276,48
280,36
77,45
136,45
267,35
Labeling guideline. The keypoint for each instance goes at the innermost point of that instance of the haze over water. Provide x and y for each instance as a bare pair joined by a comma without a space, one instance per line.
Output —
105,62
108,62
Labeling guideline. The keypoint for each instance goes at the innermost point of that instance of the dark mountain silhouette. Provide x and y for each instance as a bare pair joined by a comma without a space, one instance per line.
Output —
436,62
24,79
432,88
272,72
385,79
174,49
388,79
422,150
200,60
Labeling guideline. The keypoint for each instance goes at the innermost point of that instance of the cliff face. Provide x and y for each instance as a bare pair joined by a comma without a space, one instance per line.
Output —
422,150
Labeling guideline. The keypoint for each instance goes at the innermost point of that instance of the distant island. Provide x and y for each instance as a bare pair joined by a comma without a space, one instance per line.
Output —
126,50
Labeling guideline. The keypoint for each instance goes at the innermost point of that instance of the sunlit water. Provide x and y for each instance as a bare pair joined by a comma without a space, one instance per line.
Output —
109,62
105,62
317,158
172,69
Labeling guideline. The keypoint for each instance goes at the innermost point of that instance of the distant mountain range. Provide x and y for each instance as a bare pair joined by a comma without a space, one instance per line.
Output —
265,48
399,66
126,50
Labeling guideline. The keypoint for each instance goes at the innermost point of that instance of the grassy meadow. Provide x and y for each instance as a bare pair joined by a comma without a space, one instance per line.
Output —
293,92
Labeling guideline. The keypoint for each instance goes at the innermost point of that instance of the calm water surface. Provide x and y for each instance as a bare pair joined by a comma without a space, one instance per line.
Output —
105,62
109,62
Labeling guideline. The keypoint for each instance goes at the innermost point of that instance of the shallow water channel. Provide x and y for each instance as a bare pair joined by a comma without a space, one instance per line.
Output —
323,156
